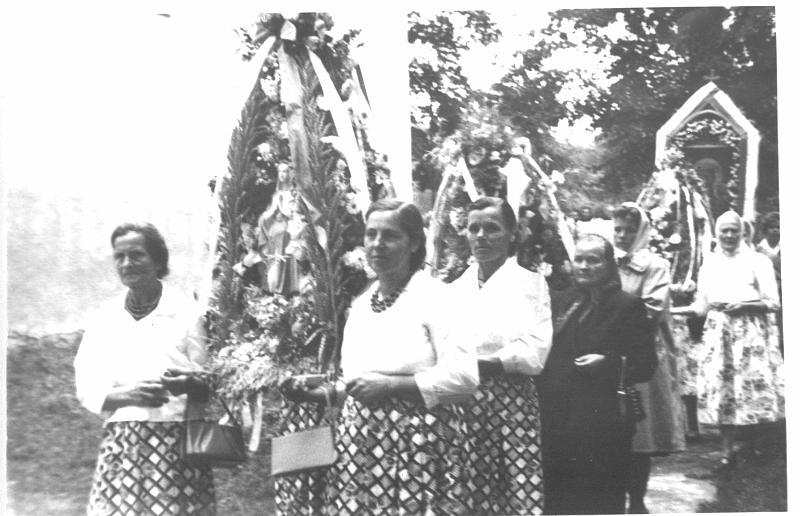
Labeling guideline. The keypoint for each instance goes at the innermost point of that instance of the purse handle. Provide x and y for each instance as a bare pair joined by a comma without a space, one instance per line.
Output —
212,396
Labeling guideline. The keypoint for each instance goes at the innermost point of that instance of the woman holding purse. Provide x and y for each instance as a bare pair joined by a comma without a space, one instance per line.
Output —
400,446
138,364
587,438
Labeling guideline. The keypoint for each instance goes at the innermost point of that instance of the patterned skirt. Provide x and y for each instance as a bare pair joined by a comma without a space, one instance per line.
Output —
300,493
688,356
741,373
398,458
505,462
140,472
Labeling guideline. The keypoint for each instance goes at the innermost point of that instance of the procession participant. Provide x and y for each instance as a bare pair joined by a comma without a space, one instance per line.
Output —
137,365
587,440
740,382
504,311
647,276
400,446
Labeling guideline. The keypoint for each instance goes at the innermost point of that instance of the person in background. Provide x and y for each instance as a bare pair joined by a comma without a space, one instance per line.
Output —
770,246
586,438
504,313
647,276
139,363
740,383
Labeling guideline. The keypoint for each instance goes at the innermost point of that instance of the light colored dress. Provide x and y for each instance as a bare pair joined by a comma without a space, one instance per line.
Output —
139,470
508,319
740,381
399,457
646,275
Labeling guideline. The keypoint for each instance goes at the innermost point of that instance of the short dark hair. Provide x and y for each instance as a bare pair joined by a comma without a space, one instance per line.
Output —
154,243
628,212
410,222
506,211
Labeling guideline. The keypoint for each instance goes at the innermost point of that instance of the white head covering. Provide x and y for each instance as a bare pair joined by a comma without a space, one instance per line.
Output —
729,217
642,238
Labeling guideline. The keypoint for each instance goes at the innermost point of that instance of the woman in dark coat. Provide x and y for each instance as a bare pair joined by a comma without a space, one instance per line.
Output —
587,443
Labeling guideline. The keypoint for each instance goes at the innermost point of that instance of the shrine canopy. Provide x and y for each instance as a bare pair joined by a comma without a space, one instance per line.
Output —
721,143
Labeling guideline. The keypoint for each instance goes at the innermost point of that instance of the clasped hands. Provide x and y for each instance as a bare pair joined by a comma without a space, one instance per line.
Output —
367,388
155,393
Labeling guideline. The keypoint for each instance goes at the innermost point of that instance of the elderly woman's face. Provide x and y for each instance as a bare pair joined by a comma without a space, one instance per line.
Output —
730,235
589,266
388,246
489,238
134,264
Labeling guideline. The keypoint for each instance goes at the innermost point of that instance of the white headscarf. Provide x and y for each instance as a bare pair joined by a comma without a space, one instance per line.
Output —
642,238
729,217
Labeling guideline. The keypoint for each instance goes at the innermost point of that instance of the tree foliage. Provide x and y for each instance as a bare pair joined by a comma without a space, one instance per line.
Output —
436,75
662,57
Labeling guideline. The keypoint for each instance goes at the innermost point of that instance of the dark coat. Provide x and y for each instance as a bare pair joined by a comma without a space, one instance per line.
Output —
585,404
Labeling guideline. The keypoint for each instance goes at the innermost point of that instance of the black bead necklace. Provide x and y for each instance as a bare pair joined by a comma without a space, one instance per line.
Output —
137,310
379,304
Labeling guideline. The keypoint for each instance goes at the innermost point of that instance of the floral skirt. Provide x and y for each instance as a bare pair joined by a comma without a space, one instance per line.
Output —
300,493
688,357
140,472
505,460
398,458
740,381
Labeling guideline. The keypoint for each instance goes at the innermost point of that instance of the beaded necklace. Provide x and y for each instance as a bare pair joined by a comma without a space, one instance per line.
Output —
139,311
379,303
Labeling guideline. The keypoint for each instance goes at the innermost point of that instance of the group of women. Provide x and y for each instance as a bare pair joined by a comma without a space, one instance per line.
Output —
484,396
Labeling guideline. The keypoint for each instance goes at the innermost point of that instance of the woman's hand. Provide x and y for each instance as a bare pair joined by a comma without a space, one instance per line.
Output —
589,362
185,381
148,393
299,391
371,388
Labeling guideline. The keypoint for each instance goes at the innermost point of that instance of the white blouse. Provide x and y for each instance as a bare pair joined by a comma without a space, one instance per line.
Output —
409,338
117,350
508,318
743,276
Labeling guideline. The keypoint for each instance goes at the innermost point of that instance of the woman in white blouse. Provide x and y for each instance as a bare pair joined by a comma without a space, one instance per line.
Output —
740,382
400,446
139,361
504,314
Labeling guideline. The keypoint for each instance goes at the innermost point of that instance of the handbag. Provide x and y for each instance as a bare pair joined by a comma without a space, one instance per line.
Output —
629,399
209,443
308,449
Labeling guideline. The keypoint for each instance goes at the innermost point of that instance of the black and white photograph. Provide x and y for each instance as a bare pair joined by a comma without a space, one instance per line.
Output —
420,258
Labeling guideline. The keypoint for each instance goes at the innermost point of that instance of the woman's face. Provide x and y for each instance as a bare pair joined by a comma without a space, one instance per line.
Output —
625,230
388,246
730,235
589,266
489,238
134,264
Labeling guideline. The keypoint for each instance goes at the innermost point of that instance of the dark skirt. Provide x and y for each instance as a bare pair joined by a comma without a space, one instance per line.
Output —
300,493
505,462
586,474
398,458
140,472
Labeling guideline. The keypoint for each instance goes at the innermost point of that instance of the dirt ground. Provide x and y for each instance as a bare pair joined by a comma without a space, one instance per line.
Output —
52,449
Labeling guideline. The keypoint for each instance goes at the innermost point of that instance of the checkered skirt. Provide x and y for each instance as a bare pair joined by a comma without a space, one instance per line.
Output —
505,460
398,458
140,472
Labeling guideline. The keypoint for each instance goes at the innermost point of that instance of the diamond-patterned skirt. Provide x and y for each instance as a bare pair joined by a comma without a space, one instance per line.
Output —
140,472
505,457
300,493
398,458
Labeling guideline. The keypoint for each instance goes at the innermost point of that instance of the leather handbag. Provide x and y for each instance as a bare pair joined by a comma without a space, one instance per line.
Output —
210,443
629,399
308,449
